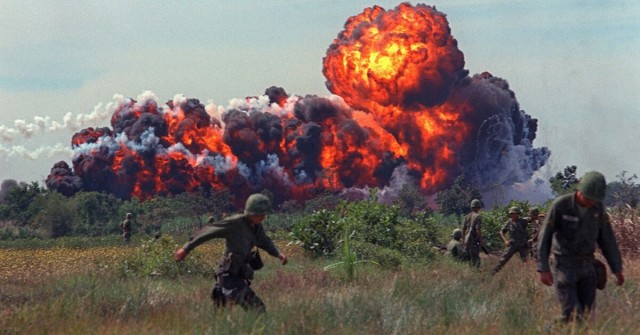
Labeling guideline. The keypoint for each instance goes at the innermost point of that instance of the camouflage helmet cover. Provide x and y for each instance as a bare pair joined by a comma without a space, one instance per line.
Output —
514,210
457,234
257,204
593,185
534,211
475,203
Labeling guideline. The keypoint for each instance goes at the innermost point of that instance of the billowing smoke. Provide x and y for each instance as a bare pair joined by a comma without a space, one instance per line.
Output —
404,108
6,186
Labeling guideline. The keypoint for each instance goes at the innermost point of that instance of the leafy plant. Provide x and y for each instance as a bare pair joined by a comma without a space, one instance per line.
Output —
154,258
349,259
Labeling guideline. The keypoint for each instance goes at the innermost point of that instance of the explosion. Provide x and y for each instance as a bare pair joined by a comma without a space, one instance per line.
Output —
401,98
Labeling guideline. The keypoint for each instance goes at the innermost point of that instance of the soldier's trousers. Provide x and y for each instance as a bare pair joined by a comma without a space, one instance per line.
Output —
235,289
473,254
509,252
575,288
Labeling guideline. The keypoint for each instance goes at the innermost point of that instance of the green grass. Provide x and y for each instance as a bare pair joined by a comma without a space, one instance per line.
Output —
441,297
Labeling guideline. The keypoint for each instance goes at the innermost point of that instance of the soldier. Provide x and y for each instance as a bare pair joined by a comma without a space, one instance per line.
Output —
472,233
241,233
535,223
454,248
517,242
573,226
125,226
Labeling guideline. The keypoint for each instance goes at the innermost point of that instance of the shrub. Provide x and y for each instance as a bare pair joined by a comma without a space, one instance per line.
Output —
154,258
318,232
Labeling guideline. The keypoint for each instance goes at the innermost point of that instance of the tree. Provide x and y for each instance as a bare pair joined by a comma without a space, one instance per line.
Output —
564,182
623,191
457,198
20,202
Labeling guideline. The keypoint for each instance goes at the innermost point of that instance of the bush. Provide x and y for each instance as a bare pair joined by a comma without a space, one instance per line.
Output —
318,232
385,257
154,258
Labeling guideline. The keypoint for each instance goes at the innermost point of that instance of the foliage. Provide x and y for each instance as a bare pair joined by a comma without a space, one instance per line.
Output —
348,259
457,198
154,258
410,201
95,213
564,182
55,218
317,232
624,191
20,204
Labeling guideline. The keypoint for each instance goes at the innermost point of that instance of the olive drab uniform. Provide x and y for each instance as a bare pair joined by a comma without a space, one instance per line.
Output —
571,233
535,224
234,275
472,237
125,226
454,247
517,231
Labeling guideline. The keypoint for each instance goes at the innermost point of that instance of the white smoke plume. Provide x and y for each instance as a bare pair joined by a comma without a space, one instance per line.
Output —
34,154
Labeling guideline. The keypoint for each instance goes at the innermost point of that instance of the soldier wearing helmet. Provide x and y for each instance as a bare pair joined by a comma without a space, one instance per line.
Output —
472,234
535,224
574,225
517,241
242,232
454,247
125,226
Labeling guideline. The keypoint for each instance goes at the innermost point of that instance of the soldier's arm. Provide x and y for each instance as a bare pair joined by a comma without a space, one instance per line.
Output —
609,246
215,230
265,243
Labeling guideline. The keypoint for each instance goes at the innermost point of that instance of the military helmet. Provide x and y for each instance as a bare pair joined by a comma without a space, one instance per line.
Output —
257,204
534,211
457,234
475,203
129,215
593,185
514,210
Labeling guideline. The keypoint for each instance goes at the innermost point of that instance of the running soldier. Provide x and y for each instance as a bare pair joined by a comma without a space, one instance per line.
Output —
125,226
517,242
242,233
574,225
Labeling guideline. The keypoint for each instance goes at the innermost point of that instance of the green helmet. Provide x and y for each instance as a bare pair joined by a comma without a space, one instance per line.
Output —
514,210
129,216
593,185
257,204
534,211
457,234
475,203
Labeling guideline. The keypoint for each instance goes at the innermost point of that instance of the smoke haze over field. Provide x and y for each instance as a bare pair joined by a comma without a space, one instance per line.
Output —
548,72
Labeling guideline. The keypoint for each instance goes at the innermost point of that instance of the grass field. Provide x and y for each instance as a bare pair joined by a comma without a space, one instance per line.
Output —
78,290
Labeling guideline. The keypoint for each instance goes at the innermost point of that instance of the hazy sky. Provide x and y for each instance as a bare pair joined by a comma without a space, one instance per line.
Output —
573,65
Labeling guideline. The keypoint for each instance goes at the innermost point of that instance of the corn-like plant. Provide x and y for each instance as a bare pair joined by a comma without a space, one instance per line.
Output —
349,258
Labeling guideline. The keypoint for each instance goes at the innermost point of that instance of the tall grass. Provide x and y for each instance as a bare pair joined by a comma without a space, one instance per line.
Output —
438,298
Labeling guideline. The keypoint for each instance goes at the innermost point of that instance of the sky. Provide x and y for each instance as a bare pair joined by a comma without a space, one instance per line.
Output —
573,65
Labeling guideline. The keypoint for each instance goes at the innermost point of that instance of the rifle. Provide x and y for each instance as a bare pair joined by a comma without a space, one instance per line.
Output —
484,249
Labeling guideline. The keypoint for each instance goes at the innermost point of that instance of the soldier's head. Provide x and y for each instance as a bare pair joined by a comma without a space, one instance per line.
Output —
591,188
476,204
257,206
534,212
457,234
129,216
514,212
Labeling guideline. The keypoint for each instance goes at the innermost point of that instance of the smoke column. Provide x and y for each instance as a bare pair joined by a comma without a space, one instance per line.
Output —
402,104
